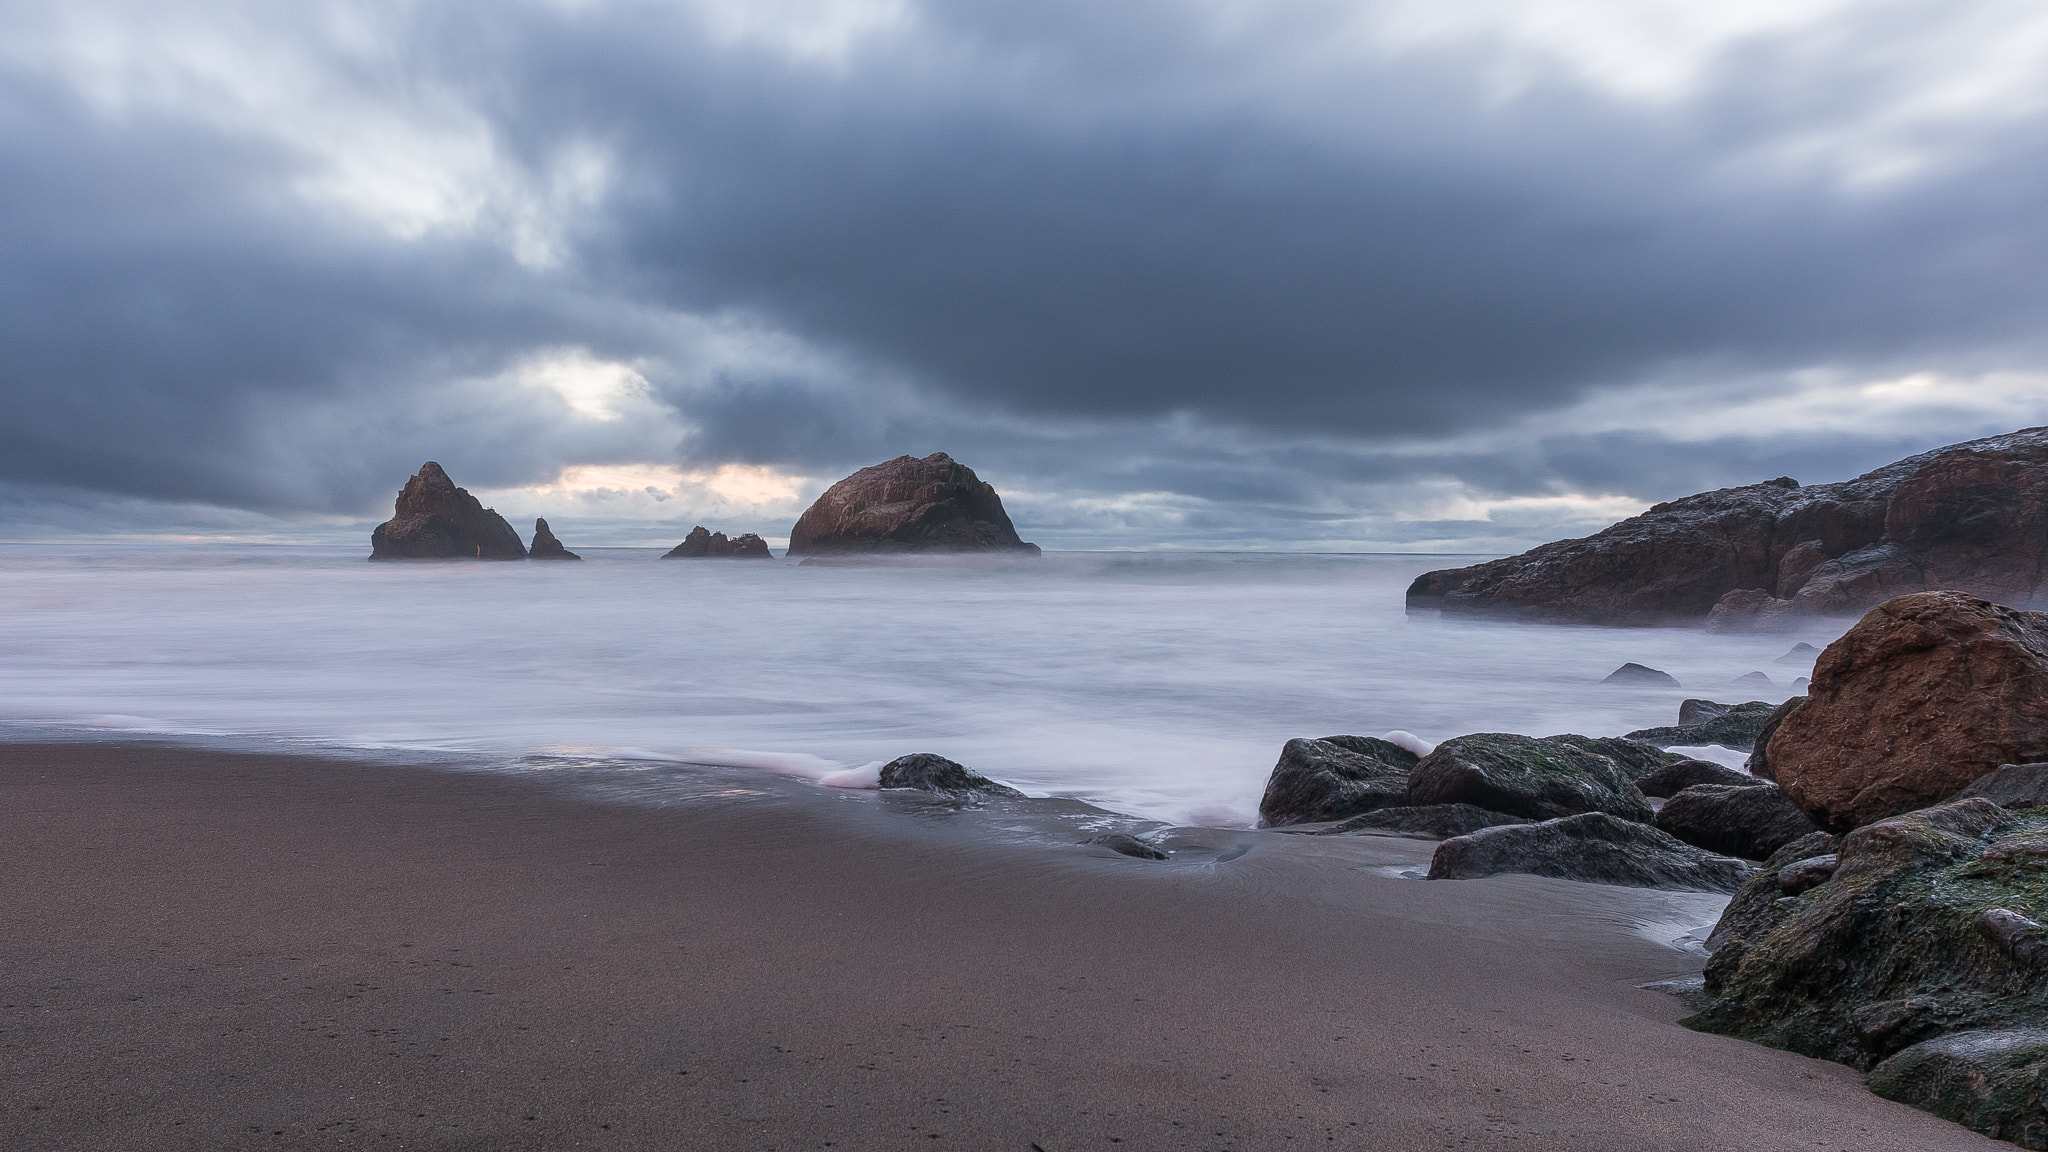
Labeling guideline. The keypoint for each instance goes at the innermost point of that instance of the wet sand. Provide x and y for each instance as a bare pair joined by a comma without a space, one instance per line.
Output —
208,950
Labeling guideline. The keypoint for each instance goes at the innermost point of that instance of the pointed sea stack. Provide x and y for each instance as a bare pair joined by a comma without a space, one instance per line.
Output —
545,546
907,505
437,520
704,544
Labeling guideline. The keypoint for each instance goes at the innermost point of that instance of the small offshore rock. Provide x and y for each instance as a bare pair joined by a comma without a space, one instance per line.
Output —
1759,762
1672,779
1639,674
704,544
1429,821
433,519
1753,679
1592,847
1128,845
1538,779
1987,1080
2011,786
1801,653
1691,712
1736,726
1801,875
933,773
1752,820
1334,778
545,546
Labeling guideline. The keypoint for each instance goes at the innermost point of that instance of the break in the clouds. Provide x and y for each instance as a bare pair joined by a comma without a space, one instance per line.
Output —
1407,274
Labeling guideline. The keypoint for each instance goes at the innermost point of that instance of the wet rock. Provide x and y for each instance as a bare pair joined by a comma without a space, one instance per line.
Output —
1967,517
1334,778
1801,654
1897,946
1811,872
545,546
1534,778
1692,712
1638,674
907,505
1431,821
704,544
1758,899
1672,779
1759,762
932,773
1735,726
1988,1080
2011,786
1751,820
1924,695
1128,845
1592,847
436,520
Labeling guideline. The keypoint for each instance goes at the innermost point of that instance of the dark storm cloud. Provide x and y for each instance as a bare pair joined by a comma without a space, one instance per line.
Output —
1040,234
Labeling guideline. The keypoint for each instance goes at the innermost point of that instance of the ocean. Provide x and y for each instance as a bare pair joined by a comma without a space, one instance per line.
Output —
1160,685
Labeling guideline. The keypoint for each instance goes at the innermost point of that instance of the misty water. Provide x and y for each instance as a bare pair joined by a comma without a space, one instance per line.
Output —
1156,684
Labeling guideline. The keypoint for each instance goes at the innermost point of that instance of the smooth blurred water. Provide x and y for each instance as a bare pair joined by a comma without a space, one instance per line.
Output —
1160,685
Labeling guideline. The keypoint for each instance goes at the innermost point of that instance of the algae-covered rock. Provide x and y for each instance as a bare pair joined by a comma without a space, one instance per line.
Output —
1592,847
1672,779
1736,728
1540,779
929,772
1333,778
1899,944
1633,757
1432,821
1987,1080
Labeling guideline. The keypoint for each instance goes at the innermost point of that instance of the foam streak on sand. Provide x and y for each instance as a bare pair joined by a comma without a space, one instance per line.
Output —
1160,685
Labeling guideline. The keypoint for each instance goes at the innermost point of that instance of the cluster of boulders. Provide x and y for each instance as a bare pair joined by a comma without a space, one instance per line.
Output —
905,505
1969,517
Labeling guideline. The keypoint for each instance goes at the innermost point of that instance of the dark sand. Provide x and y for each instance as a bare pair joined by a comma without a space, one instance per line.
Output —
215,951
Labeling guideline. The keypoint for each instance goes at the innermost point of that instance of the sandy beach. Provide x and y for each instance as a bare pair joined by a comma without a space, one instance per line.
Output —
212,950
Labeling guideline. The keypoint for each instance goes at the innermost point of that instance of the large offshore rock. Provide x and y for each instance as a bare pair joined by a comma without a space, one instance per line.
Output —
1332,778
930,772
907,505
1990,1080
1924,695
1970,517
1751,820
545,546
1672,779
1927,924
704,544
1431,822
1530,777
1592,847
1735,727
433,519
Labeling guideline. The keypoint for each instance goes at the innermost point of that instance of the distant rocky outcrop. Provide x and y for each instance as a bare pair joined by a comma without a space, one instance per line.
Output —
1593,847
1971,517
929,772
545,546
1927,693
1643,675
1334,778
702,543
436,520
907,505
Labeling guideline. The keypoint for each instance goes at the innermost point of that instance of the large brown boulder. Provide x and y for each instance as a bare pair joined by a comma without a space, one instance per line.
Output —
1971,517
1924,695
907,505
435,520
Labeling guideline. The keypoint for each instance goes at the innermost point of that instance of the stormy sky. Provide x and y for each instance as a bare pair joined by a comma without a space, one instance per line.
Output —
1383,275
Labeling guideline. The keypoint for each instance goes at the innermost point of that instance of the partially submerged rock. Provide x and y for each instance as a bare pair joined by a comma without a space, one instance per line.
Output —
1641,674
1989,1080
1592,847
928,772
1734,726
1924,695
2011,786
1801,654
1672,779
1334,778
907,505
1530,777
1125,844
436,520
1752,819
704,544
545,546
1430,821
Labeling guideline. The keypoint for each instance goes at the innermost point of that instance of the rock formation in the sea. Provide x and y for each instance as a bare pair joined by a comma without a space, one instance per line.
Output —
704,544
1672,779
1430,821
1333,778
1537,778
1924,695
545,546
1732,726
2011,786
1643,675
1970,517
1924,925
1751,820
1593,847
907,505
929,772
434,520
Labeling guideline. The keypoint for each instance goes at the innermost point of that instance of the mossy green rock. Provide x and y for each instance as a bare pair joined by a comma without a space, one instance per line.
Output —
1990,1081
1904,942
1540,779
